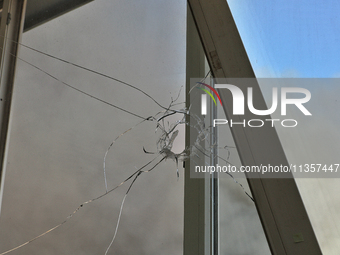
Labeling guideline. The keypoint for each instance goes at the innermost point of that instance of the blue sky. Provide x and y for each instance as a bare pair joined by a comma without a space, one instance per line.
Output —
301,39
290,38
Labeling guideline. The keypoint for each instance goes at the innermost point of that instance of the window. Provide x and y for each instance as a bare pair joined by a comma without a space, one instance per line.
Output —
59,135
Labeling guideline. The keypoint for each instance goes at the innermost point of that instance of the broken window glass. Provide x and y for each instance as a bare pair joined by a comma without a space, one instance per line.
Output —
65,118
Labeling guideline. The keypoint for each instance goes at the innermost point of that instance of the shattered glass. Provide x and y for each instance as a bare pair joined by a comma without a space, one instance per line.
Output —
96,153
79,133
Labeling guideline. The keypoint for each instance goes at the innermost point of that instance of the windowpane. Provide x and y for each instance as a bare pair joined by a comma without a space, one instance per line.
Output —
60,134
241,231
